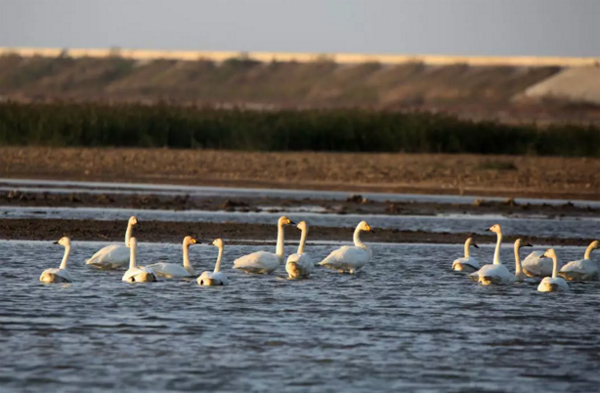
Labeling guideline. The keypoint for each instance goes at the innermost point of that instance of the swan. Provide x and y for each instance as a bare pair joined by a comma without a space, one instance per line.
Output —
519,274
495,273
61,274
137,273
299,264
263,262
350,259
553,284
535,265
114,256
583,269
216,277
173,270
468,263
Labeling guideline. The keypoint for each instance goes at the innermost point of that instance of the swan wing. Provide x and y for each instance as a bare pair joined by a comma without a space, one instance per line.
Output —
494,274
299,265
471,262
257,262
347,255
535,265
169,270
211,278
549,284
139,274
580,266
55,275
110,257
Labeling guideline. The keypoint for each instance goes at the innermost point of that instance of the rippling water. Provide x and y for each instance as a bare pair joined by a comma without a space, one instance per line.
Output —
406,323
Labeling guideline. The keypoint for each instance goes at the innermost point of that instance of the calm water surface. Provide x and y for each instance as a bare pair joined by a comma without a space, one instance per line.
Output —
406,323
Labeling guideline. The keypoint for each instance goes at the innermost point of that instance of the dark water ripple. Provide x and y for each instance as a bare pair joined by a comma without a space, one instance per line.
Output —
405,323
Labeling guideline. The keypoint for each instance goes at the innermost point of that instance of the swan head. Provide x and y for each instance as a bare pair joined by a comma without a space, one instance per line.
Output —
302,225
218,243
520,244
495,228
363,226
63,241
550,253
188,241
133,220
283,220
472,243
594,244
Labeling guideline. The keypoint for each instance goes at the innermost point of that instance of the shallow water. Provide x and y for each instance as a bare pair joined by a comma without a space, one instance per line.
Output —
406,323
565,227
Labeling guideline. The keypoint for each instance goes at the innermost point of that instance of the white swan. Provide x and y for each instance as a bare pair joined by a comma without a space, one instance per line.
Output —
553,284
215,277
350,259
137,273
299,264
468,263
263,262
61,274
535,265
173,270
583,269
495,273
519,274
116,255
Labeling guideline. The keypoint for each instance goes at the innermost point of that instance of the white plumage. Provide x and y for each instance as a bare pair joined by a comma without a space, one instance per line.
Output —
61,274
495,273
350,259
467,263
172,270
583,269
137,273
535,265
114,256
215,277
554,283
299,264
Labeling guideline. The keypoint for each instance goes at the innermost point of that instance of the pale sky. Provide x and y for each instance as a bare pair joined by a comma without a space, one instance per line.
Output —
459,27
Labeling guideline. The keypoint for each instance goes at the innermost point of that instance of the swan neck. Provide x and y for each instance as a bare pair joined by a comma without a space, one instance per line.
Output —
302,241
357,241
219,257
132,255
497,251
280,239
186,255
588,251
554,266
518,267
63,263
467,245
128,234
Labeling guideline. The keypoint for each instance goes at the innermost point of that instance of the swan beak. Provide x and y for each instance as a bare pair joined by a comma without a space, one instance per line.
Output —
372,231
56,242
474,245
527,245
292,223
488,230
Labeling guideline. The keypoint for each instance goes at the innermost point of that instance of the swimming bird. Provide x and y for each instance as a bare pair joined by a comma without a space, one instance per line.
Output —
495,273
350,259
263,262
137,273
215,277
61,274
583,269
299,264
519,275
554,283
535,265
468,263
114,256
173,270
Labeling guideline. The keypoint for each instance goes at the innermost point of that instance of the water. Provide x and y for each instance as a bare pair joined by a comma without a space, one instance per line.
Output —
565,227
406,323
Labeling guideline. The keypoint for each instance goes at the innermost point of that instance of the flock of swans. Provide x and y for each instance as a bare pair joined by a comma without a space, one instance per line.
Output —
347,259
538,265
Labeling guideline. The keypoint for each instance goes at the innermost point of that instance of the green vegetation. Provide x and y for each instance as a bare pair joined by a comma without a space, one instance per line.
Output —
177,126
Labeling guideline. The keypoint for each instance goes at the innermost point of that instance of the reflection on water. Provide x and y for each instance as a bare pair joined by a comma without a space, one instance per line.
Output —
406,323
570,227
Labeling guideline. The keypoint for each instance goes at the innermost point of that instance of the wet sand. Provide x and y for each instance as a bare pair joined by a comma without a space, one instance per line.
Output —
461,174
173,232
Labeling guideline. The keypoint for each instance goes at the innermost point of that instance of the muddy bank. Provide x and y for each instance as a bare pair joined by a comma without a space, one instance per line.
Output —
173,232
354,204
450,174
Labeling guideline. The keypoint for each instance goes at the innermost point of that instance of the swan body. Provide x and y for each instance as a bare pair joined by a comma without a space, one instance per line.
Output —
215,277
350,259
535,265
554,283
61,274
299,264
583,269
263,262
467,263
114,256
495,273
137,273
173,270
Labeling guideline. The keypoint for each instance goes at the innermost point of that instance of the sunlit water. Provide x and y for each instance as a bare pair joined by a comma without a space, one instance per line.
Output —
406,323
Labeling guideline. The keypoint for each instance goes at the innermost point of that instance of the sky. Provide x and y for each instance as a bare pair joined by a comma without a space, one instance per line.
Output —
453,27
